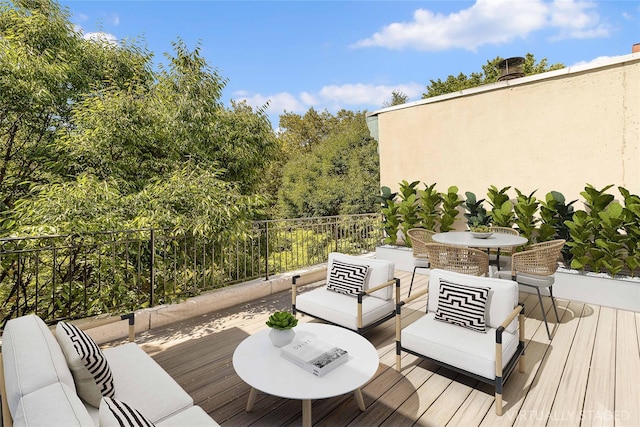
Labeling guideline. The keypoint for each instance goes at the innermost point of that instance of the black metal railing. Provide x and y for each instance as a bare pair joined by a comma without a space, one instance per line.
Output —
73,276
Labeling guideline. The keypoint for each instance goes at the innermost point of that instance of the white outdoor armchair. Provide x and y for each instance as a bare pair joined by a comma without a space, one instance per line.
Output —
360,311
470,327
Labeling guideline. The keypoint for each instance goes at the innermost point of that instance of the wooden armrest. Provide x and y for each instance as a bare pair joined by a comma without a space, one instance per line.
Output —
416,295
511,316
382,286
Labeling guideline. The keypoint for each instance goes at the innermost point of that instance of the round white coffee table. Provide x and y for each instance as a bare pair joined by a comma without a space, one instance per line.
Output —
259,364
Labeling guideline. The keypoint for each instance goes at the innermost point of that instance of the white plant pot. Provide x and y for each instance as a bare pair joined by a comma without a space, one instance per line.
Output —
281,337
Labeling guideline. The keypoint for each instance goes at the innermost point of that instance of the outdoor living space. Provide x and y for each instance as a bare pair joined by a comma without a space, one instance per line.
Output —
586,375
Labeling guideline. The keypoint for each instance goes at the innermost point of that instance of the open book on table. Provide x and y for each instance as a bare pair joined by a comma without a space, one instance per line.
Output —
314,355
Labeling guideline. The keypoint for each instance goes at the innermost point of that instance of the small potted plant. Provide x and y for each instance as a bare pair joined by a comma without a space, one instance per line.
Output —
281,324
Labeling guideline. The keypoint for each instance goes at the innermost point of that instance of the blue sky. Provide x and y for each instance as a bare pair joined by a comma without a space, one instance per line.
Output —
353,54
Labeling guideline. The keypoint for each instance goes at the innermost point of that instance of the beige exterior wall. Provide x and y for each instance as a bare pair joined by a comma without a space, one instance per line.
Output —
553,131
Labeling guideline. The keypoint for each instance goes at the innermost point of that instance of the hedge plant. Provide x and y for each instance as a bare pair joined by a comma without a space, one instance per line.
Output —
603,237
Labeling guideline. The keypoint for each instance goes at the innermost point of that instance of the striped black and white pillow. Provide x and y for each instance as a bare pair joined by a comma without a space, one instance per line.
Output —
114,413
88,365
346,278
462,305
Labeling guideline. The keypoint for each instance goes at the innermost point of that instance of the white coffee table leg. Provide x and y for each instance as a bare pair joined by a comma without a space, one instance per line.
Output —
359,399
306,413
252,399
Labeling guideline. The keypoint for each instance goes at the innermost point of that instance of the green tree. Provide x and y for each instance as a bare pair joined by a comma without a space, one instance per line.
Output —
340,175
397,98
95,140
46,68
490,73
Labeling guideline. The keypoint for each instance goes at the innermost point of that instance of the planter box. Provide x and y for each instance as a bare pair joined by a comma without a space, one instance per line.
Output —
599,289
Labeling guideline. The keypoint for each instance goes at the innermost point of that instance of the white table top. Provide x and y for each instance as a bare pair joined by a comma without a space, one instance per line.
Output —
259,364
464,238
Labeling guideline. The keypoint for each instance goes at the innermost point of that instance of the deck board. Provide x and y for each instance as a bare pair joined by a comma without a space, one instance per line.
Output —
586,375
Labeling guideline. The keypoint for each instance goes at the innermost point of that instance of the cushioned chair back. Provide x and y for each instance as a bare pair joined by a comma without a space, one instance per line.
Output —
380,271
502,299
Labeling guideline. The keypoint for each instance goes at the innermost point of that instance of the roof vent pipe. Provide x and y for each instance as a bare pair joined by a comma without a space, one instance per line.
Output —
511,68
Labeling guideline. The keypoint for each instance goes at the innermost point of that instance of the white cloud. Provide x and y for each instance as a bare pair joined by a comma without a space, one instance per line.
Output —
333,97
101,37
595,61
489,22
278,102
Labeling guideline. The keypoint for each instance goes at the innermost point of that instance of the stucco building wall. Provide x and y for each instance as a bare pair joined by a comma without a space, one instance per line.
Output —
553,131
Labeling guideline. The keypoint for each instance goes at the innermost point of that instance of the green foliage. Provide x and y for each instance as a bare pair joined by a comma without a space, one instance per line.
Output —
597,238
450,203
93,139
385,196
282,320
489,74
525,210
408,207
430,202
475,213
46,68
408,210
391,222
313,182
554,214
631,229
501,207
397,98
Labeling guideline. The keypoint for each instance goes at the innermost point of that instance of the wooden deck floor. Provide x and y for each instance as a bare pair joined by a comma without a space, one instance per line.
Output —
588,374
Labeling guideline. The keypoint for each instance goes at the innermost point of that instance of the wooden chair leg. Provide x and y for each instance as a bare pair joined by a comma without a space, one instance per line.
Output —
498,404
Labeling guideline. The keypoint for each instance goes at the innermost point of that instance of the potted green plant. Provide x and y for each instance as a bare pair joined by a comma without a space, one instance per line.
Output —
281,324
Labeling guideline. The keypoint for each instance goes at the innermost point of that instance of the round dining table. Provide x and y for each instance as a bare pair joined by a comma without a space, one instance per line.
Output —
495,241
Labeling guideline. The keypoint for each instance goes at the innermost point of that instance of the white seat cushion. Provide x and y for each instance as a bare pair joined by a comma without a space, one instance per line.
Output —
192,417
33,358
529,279
142,383
55,405
342,309
421,262
471,351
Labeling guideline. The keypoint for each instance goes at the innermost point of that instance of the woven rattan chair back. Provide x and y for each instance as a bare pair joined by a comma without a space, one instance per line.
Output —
505,230
458,258
540,258
419,238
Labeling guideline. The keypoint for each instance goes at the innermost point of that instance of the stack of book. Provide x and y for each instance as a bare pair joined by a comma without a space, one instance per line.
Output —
314,355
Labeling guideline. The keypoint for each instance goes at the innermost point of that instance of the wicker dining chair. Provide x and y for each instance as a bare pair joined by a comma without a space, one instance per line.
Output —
506,250
419,237
535,267
458,258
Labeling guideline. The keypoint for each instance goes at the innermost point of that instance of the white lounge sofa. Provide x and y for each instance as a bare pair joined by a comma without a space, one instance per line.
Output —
39,388
480,332
359,312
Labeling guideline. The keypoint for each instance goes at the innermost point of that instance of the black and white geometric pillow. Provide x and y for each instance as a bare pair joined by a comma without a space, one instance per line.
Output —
89,367
114,413
348,279
462,305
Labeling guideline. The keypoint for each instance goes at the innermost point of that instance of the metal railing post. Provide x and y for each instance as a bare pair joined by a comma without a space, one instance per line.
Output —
266,257
152,267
